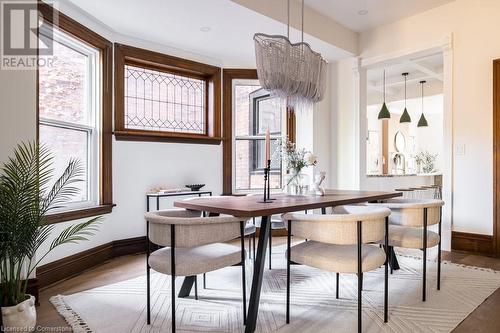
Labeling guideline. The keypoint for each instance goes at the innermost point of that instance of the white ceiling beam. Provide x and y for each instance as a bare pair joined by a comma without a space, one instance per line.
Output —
426,70
315,23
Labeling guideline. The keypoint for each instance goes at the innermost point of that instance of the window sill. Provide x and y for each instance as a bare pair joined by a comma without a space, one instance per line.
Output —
78,214
135,135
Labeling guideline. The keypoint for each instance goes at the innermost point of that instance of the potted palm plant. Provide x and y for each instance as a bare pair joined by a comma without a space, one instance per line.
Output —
27,194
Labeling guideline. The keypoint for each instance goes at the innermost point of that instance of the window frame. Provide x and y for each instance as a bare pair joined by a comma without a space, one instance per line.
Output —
104,204
230,74
129,55
261,95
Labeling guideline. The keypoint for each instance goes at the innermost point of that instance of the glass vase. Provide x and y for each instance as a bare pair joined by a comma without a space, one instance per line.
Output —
297,183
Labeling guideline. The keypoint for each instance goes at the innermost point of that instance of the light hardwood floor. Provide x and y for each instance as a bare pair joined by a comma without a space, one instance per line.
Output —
484,319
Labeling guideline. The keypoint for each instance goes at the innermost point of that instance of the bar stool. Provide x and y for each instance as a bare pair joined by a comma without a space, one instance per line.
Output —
409,222
340,243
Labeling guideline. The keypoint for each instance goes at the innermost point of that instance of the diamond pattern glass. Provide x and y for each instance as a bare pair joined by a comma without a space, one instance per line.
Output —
161,101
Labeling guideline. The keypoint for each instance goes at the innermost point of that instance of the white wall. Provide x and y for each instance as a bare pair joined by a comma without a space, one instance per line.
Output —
343,124
474,25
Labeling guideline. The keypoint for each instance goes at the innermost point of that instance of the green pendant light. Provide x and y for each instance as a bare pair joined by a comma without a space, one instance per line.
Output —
422,122
384,112
405,117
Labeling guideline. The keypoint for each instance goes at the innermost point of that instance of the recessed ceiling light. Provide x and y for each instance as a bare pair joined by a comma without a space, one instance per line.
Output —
205,29
363,12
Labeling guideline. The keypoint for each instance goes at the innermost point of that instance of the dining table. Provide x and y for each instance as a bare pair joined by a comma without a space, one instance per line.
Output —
254,206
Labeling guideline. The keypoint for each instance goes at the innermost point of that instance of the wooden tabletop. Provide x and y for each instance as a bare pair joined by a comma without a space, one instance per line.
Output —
249,206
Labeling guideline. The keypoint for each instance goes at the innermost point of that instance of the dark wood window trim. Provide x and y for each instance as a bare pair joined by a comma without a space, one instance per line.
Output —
128,55
496,157
228,75
88,36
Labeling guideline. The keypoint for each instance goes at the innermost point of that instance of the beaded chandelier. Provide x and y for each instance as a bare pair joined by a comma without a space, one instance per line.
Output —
291,71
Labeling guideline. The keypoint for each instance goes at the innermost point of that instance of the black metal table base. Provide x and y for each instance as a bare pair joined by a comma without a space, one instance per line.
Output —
186,287
258,272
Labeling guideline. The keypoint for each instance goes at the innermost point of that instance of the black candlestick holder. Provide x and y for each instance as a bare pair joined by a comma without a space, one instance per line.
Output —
267,186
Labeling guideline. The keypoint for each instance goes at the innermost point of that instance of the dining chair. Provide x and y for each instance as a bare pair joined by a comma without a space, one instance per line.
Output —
409,222
340,243
250,231
192,245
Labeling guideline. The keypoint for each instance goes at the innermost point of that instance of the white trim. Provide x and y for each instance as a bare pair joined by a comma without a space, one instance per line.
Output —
444,46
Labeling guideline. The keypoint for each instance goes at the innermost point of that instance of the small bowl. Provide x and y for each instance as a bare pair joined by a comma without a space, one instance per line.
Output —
195,187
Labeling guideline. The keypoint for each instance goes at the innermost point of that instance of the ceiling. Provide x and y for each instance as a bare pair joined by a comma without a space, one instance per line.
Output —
419,68
379,11
178,24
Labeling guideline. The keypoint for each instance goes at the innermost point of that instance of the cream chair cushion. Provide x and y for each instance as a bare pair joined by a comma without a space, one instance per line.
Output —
411,238
337,258
196,260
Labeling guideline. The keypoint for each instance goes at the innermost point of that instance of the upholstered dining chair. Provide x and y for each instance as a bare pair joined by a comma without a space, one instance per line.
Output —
340,243
250,230
408,228
193,245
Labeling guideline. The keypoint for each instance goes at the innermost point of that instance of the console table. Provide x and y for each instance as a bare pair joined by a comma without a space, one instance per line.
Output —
172,194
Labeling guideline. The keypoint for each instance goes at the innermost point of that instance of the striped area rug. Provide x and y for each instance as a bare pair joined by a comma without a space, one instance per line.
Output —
120,307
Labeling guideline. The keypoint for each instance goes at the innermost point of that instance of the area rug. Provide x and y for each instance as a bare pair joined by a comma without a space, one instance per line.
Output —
120,307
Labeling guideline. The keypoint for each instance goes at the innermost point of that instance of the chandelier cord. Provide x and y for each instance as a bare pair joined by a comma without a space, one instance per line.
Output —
288,20
384,85
303,21
422,97
405,90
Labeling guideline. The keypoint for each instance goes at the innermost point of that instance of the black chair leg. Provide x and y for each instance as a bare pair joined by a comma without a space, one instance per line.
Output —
337,278
386,275
288,255
196,287
249,247
148,277
439,252
243,276
253,250
424,273
360,277
172,268
204,281
270,246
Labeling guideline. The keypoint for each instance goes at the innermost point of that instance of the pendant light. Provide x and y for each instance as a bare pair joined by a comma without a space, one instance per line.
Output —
384,112
422,122
405,117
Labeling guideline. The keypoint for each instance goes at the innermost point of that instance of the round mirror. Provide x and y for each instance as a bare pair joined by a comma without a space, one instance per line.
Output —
399,142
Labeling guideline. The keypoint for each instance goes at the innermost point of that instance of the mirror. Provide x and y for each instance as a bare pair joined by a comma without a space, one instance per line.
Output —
399,142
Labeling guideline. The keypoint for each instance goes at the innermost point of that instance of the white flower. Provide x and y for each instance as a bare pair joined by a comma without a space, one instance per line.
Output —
311,159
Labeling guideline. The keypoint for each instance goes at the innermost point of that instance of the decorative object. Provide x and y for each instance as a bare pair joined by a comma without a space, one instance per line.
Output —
405,117
267,169
384,111
399,142
26,197
425,162
291,71
317,189
297,183
22,315
422,122
464,289
195,187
